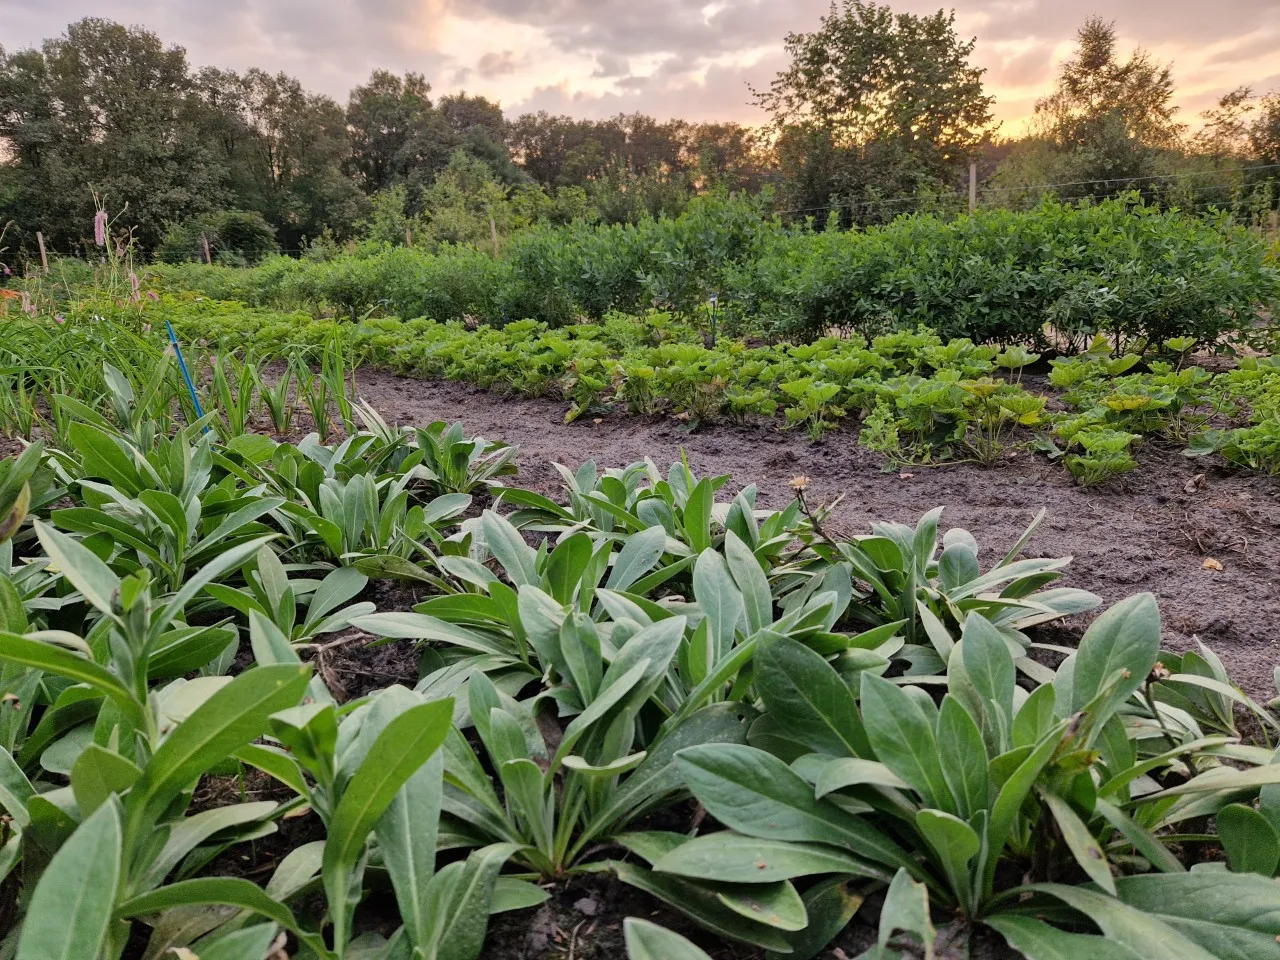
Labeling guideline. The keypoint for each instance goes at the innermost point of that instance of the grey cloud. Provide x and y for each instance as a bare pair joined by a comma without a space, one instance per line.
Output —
608,65
1033,66
333,44
499,64
1248,49
722,95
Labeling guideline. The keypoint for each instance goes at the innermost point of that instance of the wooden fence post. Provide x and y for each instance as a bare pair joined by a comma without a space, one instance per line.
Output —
208,258
44,256
973,186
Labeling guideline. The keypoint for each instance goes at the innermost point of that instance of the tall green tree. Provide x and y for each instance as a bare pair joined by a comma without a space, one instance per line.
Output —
1109,118
395,130
876,105
287,150
110,110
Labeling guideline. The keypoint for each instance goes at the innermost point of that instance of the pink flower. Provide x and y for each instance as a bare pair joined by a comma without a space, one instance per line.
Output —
59,318
133,280
100,228
155,297
28,307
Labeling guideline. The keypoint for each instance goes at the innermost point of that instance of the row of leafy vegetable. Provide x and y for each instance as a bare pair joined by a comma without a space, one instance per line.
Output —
919,399
866,719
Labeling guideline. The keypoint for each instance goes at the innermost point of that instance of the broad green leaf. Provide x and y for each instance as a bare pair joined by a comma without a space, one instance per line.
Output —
648,941
511,894
639,554
902,735
720,600
702,905
51,659
580,648
806,695
838,773
756,794
97,774
830,905
650,845
1083,845
188,833
697,516
403,746
1125,637
15,789
1233,916
70,908
1036,940
981,676
775,905
906,907
955,843
82,568
1249,839
230,719
248,944
751,580
274,763
614,768
1217,779
734,858
1147,934
231,891
509,549
459,929
565,566
406,834
962,754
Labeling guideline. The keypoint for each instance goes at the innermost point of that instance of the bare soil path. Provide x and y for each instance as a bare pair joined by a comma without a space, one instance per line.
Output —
1150,531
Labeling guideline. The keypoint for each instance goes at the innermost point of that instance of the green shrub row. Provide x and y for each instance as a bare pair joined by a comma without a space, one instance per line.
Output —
1054,276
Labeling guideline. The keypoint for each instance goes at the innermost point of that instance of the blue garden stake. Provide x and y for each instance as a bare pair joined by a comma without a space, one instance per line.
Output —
182,365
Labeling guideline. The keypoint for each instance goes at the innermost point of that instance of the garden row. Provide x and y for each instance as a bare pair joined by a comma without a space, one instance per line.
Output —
871,717
919,399
1054,276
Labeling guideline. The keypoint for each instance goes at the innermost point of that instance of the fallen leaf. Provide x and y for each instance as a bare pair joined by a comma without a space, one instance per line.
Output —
1212,564
1195,483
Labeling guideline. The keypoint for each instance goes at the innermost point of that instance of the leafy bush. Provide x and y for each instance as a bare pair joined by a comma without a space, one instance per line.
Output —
1119,267
235,239
1055,275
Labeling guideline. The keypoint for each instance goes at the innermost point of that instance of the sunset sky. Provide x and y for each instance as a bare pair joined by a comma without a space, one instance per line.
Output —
597,58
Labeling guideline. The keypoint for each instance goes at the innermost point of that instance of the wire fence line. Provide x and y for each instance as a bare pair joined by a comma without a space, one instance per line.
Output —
1256,197
1254,202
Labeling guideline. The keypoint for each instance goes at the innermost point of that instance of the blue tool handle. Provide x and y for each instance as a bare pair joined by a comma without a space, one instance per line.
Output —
186,375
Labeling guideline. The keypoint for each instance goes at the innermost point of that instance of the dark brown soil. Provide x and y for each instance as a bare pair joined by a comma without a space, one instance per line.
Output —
1143,532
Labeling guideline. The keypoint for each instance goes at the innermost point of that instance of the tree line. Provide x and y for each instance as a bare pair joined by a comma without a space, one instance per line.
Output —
878,113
